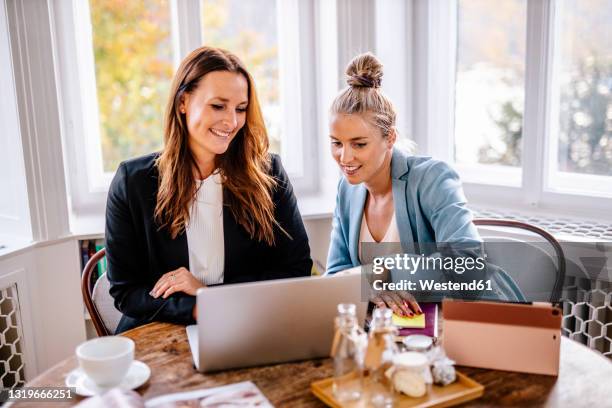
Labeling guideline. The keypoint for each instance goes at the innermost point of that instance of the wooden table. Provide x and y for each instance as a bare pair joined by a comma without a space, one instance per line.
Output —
585,377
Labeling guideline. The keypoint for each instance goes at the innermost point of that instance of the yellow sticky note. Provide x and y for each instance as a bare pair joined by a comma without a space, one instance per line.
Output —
414,322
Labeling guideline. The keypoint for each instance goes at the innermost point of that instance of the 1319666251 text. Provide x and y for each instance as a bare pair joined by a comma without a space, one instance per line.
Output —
37,394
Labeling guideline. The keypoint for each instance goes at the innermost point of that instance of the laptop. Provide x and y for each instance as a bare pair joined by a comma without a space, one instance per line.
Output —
503,336
266,322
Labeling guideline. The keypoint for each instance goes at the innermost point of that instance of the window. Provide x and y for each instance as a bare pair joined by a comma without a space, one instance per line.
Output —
532,99
14,210
581,145
230,24
490,83
133,67
120,58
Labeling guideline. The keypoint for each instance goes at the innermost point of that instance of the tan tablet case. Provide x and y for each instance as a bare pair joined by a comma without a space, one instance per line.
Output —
503,336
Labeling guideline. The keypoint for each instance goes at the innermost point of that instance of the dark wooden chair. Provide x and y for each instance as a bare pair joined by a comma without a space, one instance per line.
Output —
559,262
97,299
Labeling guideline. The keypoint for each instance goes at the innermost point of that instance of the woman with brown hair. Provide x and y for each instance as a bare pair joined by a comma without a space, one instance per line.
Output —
213,207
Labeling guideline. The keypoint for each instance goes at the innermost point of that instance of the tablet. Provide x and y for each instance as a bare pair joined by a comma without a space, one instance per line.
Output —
503,336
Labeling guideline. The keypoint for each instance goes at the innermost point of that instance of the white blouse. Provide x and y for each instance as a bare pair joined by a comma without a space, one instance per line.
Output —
205,232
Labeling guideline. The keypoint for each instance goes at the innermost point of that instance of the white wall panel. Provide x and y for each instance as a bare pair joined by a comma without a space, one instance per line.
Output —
52,314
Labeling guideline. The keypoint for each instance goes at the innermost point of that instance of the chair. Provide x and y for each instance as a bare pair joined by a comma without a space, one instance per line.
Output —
535,268
97,300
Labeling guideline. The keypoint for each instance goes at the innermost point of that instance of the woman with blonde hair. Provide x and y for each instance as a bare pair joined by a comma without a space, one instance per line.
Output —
213,207
389,196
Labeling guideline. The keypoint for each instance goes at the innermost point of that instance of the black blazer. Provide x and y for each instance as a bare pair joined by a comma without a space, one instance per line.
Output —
138,254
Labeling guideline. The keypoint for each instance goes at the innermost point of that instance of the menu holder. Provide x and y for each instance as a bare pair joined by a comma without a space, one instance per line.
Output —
462,390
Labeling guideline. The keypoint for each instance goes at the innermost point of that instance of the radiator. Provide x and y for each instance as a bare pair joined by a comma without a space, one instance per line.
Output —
587,314
12,360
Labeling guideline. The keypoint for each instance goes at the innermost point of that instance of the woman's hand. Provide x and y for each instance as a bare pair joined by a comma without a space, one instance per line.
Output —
179,280
401,302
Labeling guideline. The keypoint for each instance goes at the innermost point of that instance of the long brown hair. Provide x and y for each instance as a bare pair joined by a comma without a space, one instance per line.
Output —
243,167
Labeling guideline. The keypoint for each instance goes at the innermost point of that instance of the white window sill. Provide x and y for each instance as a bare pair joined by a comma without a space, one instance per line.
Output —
11,245
14,246
87,226
317,206
321,206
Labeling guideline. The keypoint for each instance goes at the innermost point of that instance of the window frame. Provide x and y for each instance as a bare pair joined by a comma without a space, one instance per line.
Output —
557,181
14,208
477,175
390,16
433,118
81,130
297,98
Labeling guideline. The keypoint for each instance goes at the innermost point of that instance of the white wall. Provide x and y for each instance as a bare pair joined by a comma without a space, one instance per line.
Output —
318,231
52,311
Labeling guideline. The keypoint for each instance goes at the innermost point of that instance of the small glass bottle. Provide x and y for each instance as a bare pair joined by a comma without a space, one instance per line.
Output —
347,352
379,327
381,382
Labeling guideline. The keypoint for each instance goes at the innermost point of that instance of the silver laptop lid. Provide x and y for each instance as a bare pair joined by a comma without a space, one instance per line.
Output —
272,321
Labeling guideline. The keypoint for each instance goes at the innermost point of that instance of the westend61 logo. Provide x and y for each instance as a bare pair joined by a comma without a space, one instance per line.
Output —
411,263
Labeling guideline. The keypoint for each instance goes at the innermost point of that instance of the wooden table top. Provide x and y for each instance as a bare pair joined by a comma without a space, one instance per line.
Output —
585,376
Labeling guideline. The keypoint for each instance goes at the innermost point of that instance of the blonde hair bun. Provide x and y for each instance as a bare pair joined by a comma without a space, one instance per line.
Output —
364,71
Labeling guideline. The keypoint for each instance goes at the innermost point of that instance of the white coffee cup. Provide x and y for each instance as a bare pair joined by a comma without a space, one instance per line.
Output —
106,360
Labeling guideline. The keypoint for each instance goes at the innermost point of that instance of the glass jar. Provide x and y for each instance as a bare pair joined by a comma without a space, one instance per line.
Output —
347,352
411,375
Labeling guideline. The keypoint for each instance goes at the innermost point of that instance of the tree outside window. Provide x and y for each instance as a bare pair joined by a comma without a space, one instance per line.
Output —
133,64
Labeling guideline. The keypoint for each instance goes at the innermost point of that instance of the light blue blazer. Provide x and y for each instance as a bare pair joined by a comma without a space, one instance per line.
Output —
430,208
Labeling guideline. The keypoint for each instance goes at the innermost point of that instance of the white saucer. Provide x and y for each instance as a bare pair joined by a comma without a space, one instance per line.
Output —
137,375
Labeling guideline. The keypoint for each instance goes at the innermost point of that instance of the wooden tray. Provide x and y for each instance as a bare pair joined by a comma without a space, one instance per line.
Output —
462,390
